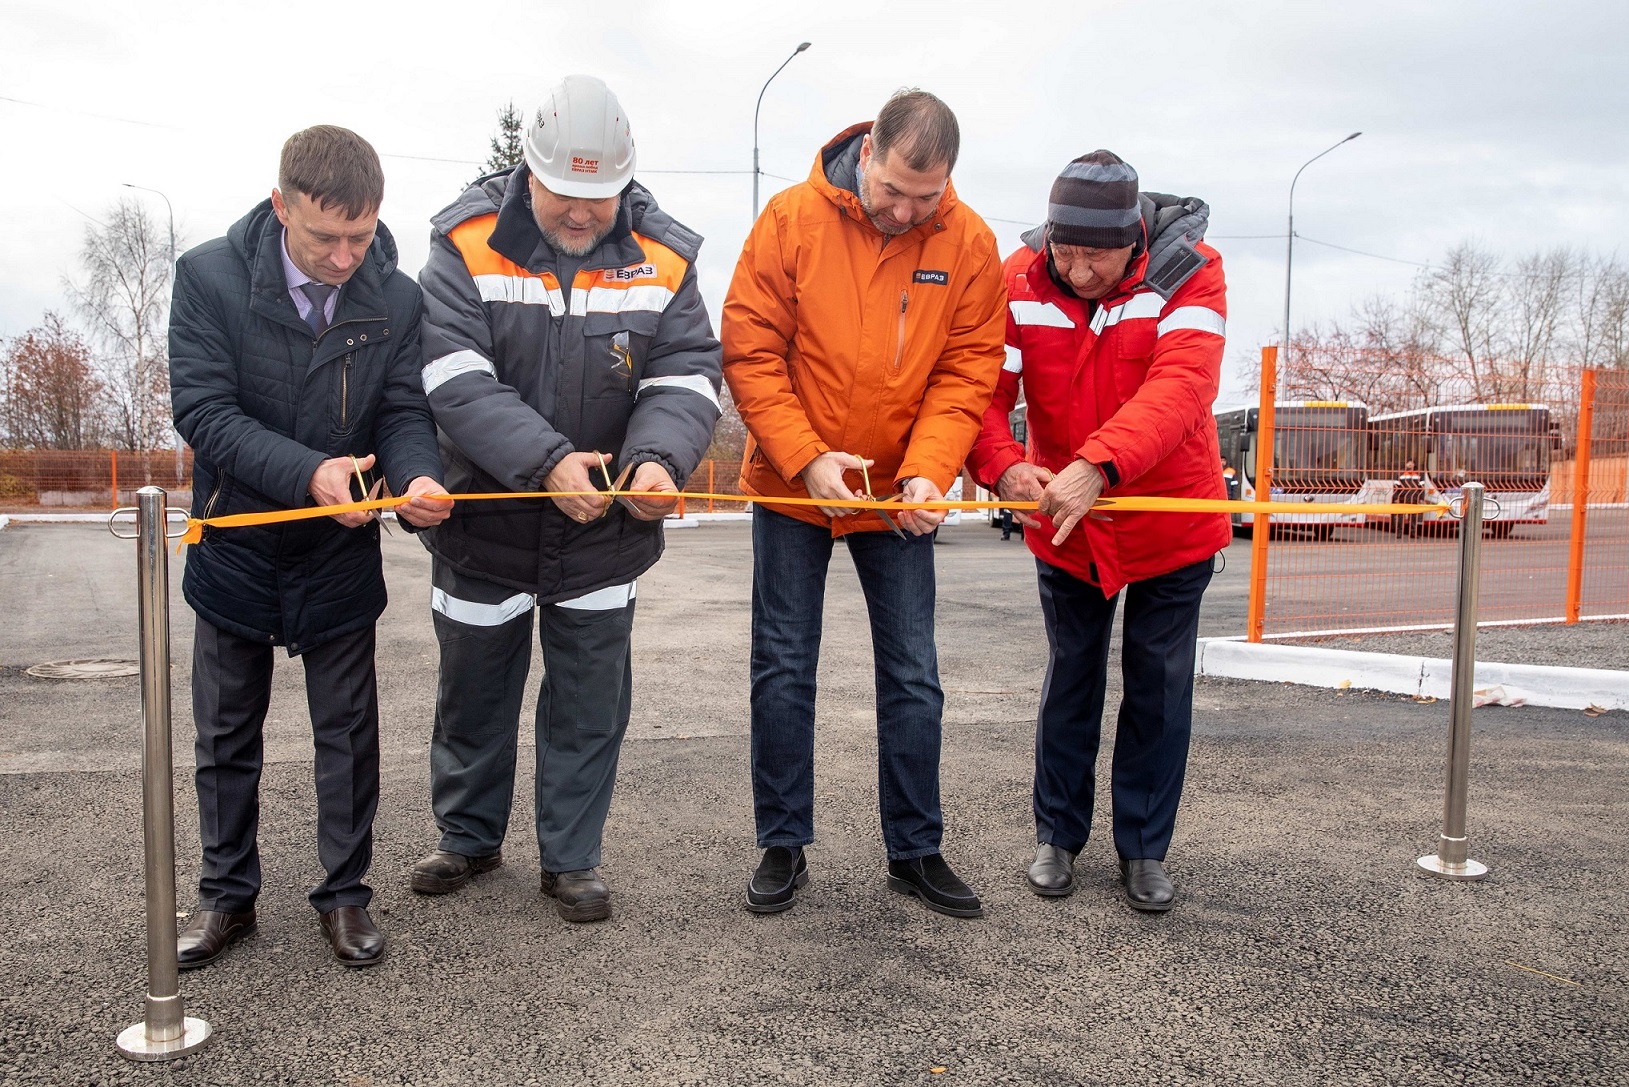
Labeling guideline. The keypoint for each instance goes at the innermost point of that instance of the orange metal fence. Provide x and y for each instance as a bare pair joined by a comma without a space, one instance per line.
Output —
92,479
1555,550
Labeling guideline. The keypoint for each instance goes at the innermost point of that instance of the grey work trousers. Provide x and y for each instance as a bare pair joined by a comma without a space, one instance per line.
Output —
484,631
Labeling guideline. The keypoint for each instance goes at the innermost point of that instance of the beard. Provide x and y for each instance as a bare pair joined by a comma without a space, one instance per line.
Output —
886,225
566,247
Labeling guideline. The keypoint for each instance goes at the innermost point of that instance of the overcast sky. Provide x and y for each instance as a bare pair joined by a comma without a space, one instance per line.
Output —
1502,122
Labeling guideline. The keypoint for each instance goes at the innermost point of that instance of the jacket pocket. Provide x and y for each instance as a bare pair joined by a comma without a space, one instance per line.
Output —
615,347
1133,353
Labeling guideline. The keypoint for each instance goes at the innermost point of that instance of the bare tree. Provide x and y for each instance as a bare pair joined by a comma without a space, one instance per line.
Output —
53,399
1598,333
125,299
1464,297
1537,297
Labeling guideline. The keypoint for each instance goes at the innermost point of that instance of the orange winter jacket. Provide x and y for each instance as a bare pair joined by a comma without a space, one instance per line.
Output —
834,340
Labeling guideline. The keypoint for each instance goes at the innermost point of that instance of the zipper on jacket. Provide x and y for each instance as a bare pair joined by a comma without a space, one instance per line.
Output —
899,348
209,503
345,390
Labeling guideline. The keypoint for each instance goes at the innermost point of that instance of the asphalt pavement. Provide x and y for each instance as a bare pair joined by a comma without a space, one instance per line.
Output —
1304,949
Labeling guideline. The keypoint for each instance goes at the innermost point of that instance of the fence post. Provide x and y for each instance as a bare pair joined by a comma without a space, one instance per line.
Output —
709,486
1262,530
1450,860
165,1032
1580,496
114,453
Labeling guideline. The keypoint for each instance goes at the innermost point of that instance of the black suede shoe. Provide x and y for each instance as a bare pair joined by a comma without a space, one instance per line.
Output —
207,936
775,884
443,872
930,879
578,896
1148,888
1053,872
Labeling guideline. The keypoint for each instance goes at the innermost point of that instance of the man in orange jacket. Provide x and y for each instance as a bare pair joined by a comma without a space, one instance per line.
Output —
1118,310
862,341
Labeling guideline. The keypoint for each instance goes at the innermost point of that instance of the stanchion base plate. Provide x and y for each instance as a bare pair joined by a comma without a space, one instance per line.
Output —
1436,866
134,1043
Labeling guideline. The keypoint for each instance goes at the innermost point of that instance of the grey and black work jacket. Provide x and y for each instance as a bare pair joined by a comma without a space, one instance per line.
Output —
522,368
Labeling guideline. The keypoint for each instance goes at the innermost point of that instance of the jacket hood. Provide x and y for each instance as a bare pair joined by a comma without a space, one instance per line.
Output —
833,177
1172,227
259,234
507,193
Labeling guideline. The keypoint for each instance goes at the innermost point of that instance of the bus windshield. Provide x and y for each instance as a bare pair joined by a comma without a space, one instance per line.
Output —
1498,460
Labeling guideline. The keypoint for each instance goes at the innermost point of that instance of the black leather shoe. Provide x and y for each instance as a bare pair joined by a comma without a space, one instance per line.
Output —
1053,872
207,936
578,896
774,886
442,872
353,936
930,879
1148,888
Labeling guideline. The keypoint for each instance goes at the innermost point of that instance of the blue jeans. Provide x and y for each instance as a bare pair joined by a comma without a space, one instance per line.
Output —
789,563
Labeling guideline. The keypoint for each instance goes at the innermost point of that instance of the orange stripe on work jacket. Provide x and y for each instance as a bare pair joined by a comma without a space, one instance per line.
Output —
645,285
839,338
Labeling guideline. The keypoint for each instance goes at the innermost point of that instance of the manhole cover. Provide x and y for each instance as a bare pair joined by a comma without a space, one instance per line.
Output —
97,668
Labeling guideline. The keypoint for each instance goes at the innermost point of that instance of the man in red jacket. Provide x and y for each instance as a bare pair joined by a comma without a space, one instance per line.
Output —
1118,311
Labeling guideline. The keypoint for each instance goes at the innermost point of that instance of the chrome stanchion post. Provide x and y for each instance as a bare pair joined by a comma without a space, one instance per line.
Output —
166,1031
1450,860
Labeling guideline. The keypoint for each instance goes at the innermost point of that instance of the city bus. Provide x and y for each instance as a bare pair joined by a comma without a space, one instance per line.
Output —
1320,450
1504,447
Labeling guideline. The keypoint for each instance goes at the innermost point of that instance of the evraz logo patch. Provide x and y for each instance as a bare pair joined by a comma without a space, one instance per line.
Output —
928,275
634,271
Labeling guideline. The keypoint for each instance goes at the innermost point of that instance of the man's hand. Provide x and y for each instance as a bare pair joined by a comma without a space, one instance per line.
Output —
424,512
1023,482
1070,495
920,522
823,478
651,476
572,474
331,486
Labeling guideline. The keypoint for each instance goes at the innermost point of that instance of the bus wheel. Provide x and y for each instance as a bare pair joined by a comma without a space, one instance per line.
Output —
1501,530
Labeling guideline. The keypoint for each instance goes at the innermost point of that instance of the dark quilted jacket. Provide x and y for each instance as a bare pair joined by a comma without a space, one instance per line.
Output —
262,405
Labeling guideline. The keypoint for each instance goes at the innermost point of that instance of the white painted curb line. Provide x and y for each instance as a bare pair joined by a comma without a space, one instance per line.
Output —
1427,677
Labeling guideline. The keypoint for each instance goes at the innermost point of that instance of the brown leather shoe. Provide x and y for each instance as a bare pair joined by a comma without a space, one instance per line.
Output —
351,933
208,934
442,872
578,896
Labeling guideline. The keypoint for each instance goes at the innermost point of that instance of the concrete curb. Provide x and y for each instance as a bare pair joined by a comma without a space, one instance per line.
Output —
1421,677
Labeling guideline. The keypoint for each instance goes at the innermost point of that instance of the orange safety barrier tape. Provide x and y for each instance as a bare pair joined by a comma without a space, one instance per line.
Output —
195,525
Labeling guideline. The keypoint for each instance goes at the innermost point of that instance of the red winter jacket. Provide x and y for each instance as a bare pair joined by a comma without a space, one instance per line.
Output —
1127,383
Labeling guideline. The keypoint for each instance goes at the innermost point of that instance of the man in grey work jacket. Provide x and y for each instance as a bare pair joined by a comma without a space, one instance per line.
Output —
565,344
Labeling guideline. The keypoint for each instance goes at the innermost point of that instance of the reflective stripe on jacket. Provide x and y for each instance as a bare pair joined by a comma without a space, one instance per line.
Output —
839,338
1127,382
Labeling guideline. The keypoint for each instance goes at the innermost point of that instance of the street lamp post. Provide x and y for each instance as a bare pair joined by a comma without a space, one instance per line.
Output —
755,109
1289,256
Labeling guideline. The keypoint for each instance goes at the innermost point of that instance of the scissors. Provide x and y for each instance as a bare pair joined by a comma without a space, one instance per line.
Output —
887,520
368,495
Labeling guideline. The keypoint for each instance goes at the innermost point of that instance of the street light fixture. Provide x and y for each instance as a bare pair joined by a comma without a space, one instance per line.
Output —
1289,256
167,208
767,82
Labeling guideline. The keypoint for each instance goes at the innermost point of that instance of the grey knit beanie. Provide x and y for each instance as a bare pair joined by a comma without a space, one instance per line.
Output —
1094,203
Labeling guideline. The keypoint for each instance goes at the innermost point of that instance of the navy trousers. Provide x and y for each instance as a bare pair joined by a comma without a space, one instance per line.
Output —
231,691
1156,710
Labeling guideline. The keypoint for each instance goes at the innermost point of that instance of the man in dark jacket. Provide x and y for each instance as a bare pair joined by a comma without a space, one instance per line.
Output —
294,365
565,346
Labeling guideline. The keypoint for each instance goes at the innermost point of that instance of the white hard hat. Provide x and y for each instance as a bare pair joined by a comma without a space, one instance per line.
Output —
580,144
